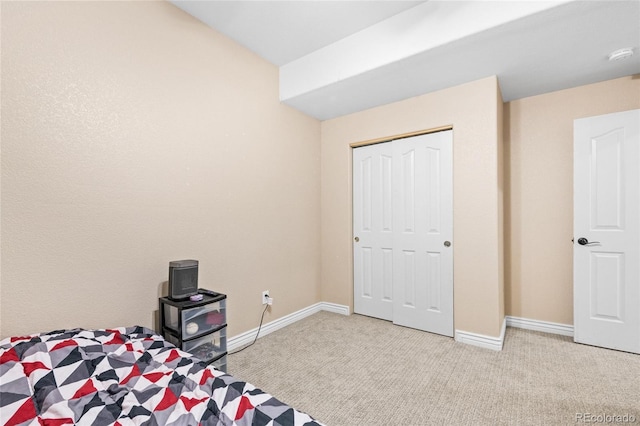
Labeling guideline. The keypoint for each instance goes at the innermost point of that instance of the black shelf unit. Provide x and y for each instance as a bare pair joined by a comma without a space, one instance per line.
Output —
199,328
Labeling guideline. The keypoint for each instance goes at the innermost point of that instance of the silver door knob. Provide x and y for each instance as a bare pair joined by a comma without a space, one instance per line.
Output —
447,243
356,239
584,242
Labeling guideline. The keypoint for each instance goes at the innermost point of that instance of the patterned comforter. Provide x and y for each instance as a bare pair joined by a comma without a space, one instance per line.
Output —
124,376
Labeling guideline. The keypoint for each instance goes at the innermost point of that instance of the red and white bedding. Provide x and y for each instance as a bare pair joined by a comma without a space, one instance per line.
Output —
124,376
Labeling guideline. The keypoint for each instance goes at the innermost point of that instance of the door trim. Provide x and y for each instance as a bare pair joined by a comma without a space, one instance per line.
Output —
401,136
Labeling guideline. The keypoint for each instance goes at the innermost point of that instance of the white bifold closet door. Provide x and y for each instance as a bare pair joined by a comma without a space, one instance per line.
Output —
403,231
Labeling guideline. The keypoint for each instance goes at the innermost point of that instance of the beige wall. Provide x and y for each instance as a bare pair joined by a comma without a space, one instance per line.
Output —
1,126
133,135
122,150
501,203
473,110
539,210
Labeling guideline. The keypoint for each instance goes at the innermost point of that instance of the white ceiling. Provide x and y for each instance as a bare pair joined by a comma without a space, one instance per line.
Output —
339,57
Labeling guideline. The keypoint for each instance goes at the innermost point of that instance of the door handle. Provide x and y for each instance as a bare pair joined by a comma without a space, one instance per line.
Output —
584,242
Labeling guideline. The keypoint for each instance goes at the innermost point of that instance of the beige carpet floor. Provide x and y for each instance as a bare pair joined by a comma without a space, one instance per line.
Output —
356,370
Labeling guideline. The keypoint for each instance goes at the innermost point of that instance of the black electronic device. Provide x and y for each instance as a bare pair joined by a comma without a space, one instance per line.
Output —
183,279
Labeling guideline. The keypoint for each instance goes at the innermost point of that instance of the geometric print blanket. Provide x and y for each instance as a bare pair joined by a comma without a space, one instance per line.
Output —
124,376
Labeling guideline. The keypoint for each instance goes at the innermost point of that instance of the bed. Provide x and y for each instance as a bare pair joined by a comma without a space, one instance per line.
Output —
124,376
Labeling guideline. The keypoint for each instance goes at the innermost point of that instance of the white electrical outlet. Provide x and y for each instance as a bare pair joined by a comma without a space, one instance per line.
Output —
265,297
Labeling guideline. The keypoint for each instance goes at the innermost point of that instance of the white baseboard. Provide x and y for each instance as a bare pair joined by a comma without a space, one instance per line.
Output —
487,342
335,308
544,326
247,337
496,343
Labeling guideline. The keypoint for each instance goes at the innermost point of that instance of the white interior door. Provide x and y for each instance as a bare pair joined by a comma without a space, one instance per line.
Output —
403,228
607,231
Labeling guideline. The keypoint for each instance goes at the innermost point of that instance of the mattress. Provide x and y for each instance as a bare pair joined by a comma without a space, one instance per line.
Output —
124,376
